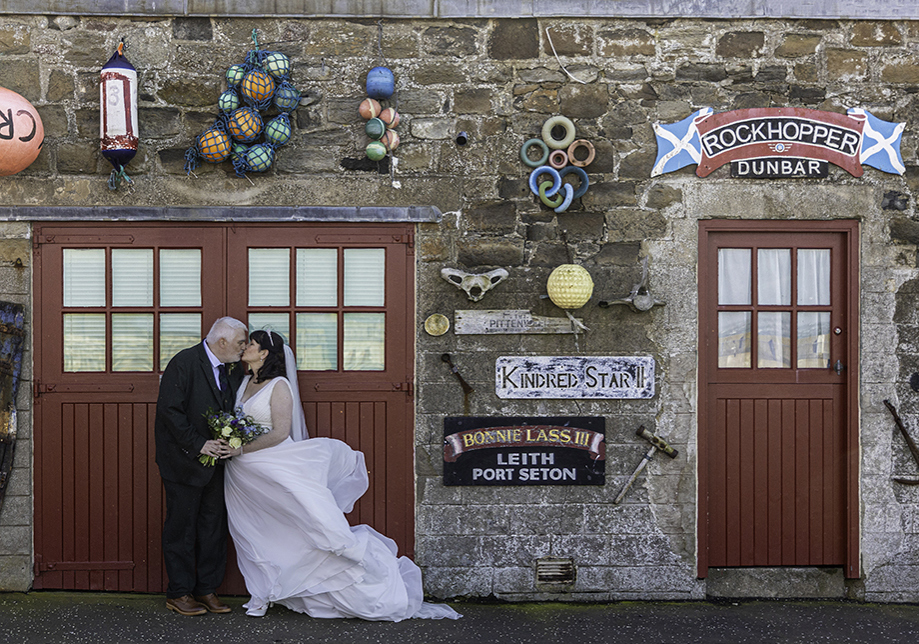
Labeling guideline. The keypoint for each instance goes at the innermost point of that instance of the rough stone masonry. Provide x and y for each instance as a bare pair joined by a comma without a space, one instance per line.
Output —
498,80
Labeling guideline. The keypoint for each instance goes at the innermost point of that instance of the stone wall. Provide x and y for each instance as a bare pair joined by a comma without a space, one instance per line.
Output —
498,81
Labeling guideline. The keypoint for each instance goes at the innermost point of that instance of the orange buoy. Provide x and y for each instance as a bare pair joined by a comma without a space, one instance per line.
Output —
21,133
369,108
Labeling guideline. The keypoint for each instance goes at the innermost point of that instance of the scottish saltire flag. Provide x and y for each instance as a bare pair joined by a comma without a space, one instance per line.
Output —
678,143
880,142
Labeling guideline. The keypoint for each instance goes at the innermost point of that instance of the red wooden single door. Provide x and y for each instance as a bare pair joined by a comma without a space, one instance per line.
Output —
113,304
777,428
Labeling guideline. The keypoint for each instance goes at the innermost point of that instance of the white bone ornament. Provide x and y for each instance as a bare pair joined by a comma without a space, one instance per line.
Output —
476,286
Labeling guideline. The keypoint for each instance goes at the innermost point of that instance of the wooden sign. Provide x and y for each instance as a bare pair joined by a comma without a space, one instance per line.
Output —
779,142
493,322
524,451
574,377
780,132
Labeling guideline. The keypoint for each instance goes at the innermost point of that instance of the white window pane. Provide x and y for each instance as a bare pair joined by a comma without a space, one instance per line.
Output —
734,271
132,277
180,277
317,277
365,276
773,276
733,339
277,322
814,340
269,277
814,276
317,341
178,331
773,340
132,342
364,341
84,276
84,342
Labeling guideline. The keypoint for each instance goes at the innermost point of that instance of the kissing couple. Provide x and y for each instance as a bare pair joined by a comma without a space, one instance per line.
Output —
283,495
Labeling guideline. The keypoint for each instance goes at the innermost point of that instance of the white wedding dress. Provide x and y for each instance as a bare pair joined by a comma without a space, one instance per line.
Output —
294,546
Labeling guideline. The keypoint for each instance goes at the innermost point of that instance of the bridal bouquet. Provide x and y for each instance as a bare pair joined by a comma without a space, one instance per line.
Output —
234,427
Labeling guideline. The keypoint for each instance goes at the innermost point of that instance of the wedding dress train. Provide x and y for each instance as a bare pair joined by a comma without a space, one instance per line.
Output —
294,546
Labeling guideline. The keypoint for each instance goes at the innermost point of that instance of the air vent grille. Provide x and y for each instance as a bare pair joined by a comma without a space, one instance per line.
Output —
555,571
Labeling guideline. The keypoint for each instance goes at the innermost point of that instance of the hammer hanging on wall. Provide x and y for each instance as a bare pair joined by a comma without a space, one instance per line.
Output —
467,388
657,443
909,442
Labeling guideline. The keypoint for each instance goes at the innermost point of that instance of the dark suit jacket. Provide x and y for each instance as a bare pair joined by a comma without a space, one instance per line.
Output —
188,391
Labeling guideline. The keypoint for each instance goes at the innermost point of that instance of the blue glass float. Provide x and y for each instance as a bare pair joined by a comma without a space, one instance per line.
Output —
380,83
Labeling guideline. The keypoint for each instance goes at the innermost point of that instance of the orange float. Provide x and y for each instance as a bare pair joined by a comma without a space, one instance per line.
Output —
21,133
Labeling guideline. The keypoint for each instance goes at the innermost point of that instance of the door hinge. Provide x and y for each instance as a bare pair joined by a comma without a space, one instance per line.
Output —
407,387
409,240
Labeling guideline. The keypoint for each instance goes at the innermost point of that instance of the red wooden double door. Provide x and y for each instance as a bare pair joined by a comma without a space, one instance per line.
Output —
778,428
114,302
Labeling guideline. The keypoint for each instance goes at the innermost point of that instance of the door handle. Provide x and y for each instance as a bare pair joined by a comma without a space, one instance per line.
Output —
839,367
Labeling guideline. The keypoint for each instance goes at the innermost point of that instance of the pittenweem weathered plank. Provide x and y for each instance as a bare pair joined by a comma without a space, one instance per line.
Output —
574,377
507,321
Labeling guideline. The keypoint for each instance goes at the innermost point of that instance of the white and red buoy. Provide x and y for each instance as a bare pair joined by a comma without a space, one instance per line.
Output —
118,113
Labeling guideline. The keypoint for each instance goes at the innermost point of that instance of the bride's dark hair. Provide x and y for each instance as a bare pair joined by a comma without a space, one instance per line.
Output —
274,365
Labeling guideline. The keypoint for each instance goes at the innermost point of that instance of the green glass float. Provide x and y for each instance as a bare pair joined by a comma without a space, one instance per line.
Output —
375,128
376,150
228,102
238,150
259,157
277,64
277,131
286,97
235,75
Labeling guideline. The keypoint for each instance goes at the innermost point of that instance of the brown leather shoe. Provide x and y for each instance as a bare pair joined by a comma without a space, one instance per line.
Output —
185,606
213,603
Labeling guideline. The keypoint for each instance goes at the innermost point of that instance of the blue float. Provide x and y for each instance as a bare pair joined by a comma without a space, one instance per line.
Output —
380,83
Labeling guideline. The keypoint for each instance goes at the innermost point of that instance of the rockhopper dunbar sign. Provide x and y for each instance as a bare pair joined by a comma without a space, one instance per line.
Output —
779,142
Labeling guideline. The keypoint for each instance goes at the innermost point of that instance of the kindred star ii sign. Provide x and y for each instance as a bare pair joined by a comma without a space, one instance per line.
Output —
782,142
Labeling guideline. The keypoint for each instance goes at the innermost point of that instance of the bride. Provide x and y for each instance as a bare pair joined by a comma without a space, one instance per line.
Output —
286,497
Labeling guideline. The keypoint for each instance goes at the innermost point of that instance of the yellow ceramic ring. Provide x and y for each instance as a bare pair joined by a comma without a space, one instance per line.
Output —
551,124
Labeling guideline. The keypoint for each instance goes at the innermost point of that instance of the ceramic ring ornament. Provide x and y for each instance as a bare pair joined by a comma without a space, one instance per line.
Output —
552,172
582,175
569,197
558,159
547,199
542,159
551,124
591,153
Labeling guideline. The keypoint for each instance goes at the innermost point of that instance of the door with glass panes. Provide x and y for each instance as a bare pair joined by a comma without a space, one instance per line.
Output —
778,466
116,302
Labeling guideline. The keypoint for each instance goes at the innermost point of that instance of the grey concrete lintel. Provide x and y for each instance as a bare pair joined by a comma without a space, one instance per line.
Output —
330,214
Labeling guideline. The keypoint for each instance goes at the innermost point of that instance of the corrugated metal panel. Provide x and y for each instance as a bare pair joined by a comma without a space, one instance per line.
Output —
847,9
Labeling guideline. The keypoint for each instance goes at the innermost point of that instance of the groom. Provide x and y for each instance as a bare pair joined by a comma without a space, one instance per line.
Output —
198,380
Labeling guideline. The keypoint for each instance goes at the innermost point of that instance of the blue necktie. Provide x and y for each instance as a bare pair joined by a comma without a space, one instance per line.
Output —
224,382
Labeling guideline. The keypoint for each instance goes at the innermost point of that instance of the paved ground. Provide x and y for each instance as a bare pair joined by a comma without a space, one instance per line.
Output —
97,618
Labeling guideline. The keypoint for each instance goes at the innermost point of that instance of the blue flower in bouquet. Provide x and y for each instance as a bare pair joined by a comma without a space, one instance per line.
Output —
235,427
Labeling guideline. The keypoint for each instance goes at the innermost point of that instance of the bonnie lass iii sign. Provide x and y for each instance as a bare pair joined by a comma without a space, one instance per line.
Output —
574,377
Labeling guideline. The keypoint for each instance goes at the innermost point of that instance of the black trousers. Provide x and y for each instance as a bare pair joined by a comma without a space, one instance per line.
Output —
195,536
